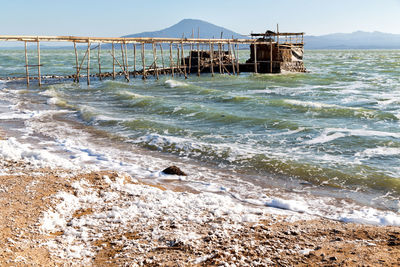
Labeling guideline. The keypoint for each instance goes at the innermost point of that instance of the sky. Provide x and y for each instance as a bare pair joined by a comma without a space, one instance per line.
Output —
122,17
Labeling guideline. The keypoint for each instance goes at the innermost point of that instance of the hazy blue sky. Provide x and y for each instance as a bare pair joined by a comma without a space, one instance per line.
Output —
120,17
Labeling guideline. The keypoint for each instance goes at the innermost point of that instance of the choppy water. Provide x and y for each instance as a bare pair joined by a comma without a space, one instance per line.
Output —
334,131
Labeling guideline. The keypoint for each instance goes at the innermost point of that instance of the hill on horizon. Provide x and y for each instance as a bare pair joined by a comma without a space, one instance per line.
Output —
187,26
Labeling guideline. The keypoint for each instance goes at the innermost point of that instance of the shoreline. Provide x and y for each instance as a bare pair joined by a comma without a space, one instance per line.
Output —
156,233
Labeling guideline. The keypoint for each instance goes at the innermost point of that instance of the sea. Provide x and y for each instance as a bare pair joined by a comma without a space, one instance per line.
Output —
324,143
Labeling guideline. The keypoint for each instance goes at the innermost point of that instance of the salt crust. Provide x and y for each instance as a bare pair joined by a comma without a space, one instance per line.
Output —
121,207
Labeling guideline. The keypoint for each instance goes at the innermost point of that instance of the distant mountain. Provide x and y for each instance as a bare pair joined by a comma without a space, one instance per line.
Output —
355,40
187,26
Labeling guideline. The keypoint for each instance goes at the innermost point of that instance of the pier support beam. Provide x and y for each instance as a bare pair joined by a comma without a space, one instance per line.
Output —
126,62
113,56
171,63
76,64
237,59
143,62
38,53
183,60
98,60
270,56
88,63
134,60
26,65
162,58
212,59
255,57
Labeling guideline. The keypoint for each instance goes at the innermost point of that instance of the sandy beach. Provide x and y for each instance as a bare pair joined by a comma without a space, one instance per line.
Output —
53,217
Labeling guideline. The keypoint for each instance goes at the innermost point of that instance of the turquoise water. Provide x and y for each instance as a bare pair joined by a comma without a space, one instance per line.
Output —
336,128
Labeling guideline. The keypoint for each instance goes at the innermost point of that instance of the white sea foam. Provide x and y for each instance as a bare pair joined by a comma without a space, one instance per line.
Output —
174,83
318,105
330,134
11,149
133,95
379,151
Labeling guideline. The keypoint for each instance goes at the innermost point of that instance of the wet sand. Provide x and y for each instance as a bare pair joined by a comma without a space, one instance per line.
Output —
29,193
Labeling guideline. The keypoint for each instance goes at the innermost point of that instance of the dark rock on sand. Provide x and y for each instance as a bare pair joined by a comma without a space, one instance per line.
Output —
173,170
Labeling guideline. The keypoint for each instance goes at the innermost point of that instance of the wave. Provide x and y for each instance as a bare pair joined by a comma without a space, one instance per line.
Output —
245,158
333,110
330,134
175,83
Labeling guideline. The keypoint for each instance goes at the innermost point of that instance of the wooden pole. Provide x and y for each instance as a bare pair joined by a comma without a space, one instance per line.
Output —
113,55
134,60
219,58
155,59
162,58
277,41
77,64
178,63
270,55
183,60
211,58
255,56
198,53
123,62
237,59
231,57
98,59
26,65
190,53
126,62
143,62
198,59
171,64
88,64
38,53
83,60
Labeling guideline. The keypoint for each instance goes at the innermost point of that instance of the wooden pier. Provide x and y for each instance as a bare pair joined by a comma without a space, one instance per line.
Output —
270,52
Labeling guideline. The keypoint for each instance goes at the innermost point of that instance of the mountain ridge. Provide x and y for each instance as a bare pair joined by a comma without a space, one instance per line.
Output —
187,27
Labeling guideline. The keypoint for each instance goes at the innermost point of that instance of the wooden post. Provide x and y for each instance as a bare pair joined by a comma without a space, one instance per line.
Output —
38,53
183,60
198,58
231,57
26,65
162,58
134,60
237,59
211,58
113,56
277,42
171,64
178,63
198,52
219,58
255,56
123,62
83,60
77,64
126,62
270,55
88,64
143,62
190,53
98,59
155,60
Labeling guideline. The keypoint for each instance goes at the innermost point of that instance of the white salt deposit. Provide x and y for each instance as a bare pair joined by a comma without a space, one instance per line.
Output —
123,204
